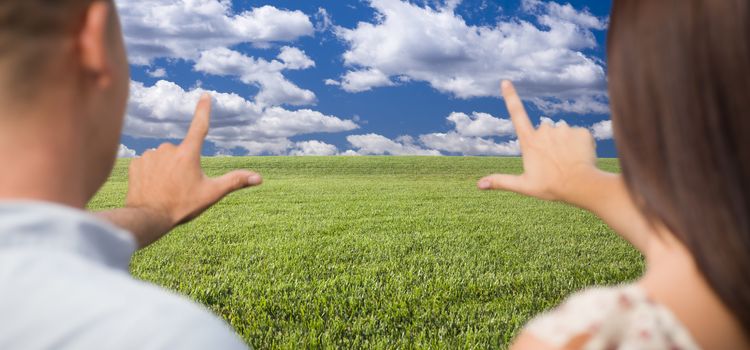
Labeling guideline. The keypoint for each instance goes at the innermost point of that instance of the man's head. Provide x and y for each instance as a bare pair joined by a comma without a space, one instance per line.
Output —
63,66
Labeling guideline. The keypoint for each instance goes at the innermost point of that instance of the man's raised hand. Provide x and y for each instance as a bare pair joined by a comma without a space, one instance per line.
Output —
170,183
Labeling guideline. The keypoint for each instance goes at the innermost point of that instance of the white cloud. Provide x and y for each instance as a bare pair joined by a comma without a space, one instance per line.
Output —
530,5
374,144
481,125
157,73
165,110
602,130
350,153
275,89
451,4
550,12
183,28
550,122
314,148
323,20
585,104
406,43
471,146
279,122
125,152
431,144
295,58
364,80
331,82
474,135
545,59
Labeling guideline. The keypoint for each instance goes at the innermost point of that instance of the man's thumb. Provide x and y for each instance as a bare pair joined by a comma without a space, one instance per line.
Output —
236,180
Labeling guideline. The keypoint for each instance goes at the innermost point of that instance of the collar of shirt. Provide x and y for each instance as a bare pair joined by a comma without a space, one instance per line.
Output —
45,226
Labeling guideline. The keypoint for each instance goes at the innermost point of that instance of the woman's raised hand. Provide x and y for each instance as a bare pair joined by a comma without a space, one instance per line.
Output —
559,163
557,160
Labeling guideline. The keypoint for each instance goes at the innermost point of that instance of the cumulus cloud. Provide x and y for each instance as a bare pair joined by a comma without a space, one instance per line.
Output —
165,110
374,144
431,145
295,58
364,80
602,130
157,73
550,122
350,153
481,125
125,152
331,82
314,148
201,31
275,89
585,104
454,142
183,28
475,134
546,58
478,134
550,12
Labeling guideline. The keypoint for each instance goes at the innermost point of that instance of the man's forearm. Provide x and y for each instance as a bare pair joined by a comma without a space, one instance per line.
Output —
145,225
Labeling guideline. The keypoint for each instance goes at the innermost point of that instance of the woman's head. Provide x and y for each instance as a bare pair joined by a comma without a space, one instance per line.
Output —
64,62
679,80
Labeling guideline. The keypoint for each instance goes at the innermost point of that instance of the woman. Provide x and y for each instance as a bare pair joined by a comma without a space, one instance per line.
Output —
679,76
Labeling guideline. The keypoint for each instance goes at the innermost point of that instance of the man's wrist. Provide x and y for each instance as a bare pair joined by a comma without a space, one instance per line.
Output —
157,216
150,224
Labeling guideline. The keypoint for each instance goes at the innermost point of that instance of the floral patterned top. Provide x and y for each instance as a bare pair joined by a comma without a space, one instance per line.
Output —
621,318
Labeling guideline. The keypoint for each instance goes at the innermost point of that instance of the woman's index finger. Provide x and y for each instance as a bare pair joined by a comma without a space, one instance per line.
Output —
518,115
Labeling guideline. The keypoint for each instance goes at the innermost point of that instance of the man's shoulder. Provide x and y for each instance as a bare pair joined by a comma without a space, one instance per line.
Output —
91,306
159,316
175,321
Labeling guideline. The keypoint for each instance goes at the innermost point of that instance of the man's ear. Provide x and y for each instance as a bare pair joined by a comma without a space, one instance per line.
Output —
92,42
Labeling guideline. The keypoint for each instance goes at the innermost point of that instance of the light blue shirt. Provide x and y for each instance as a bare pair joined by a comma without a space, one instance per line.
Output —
64,284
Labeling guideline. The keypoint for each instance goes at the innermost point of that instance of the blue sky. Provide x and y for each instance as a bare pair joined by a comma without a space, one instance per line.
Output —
362,77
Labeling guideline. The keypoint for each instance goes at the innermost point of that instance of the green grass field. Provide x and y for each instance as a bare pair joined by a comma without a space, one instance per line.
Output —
379,252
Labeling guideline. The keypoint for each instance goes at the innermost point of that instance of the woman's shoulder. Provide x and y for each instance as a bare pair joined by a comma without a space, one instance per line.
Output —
621,317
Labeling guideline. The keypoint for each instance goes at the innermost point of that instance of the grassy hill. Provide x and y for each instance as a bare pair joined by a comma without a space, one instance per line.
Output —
379,252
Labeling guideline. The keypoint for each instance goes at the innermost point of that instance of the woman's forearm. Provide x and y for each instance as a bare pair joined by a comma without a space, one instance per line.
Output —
606,195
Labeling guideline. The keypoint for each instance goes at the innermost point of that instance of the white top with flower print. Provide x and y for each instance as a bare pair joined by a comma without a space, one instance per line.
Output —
622,318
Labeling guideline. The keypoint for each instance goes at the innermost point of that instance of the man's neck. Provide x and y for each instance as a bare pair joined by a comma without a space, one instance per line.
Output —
41,162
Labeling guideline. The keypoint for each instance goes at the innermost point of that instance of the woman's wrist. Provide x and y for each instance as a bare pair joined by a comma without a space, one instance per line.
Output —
589,187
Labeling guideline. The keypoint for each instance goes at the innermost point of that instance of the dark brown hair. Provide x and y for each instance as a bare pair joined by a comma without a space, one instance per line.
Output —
679,80
30,32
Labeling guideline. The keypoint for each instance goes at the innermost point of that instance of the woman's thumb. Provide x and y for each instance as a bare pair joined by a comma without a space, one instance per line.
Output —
513,183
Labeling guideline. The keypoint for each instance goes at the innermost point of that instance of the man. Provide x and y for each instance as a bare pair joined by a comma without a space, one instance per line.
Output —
64,279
